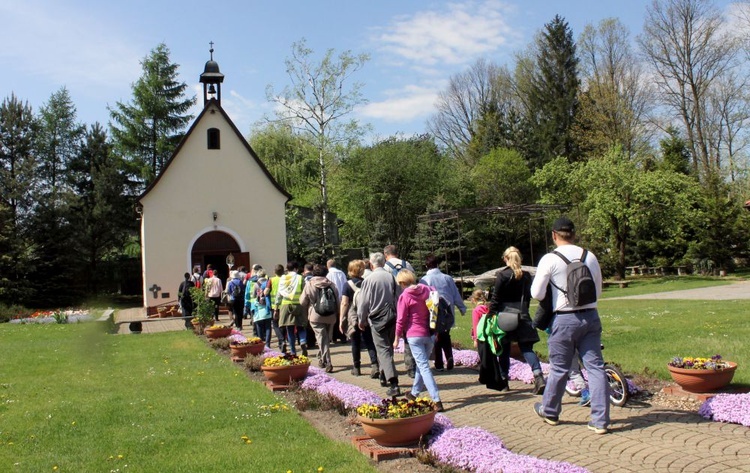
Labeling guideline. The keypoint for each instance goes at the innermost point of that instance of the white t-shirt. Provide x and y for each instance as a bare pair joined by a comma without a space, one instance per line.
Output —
553,267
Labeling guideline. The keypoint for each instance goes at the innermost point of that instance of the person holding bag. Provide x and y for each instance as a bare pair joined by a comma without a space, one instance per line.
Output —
511,296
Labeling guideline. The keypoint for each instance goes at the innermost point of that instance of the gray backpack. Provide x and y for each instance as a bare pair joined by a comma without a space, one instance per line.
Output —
580,289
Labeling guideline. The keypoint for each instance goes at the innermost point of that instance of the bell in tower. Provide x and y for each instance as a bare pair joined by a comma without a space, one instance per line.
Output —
211,79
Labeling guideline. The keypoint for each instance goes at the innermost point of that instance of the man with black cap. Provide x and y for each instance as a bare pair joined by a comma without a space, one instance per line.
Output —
576,324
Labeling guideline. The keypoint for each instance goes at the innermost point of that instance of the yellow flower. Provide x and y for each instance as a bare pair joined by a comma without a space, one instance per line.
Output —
54,468
320,469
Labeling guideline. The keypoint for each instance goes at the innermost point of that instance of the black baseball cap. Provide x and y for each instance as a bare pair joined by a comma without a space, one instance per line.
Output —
563,224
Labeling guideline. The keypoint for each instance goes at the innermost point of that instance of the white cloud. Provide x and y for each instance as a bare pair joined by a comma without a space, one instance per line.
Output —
403,105
65,45
454,36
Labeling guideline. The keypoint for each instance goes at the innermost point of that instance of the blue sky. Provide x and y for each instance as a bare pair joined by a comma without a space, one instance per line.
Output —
94,48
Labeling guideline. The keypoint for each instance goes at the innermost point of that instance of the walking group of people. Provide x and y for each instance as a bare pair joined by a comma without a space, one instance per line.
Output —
382,303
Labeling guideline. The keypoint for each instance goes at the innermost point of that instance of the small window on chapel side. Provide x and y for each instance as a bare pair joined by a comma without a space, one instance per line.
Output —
214,141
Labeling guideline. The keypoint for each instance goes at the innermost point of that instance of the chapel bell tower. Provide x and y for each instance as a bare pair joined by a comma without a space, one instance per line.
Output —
211,79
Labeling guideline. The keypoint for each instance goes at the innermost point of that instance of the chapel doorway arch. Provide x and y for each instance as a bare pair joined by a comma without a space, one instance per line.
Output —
213,248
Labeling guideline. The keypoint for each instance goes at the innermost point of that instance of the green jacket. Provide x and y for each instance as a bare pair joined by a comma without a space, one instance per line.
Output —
489,333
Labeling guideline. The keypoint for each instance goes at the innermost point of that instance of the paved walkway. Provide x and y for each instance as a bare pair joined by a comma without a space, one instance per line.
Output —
641,439
738,290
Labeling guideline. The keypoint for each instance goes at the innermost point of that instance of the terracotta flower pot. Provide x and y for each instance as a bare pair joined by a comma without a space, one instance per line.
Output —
217,332
256,349
398,432
283,375
241,351
702,381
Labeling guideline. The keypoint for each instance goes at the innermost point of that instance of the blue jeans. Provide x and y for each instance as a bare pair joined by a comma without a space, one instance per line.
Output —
581,331
263,329
527,350
291,339
421,347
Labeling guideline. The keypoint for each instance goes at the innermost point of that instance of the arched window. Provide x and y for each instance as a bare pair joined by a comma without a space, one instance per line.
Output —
214,141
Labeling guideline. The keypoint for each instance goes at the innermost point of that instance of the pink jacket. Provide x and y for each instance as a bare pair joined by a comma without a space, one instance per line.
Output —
413,317
477,314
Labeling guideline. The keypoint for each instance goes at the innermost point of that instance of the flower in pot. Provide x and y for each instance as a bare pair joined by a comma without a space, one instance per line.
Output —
397,423
700,375
241,347
283,369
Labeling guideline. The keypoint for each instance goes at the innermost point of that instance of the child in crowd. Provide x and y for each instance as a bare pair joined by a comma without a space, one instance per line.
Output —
479,299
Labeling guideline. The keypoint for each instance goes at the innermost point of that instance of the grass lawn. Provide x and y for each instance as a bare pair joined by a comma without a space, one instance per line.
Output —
73,399
642,336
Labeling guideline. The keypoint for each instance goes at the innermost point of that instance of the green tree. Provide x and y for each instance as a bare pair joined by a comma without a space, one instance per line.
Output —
101,211
58,139
17,181
548,85
619,201
147,130
291,159
675,155
317,104
502,177
383,188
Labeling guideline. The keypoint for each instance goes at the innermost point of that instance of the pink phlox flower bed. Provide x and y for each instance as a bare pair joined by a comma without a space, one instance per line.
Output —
465,358
470,448
475,449
732,408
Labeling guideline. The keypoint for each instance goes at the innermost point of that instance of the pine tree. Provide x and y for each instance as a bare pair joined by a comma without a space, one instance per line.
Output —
58,138
101,211
147,130
551,95
17,179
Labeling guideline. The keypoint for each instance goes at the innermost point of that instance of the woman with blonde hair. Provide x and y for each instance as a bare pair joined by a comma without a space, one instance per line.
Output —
513,290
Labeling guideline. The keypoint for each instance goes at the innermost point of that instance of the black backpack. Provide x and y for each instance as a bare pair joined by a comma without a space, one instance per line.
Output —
445,316
581,289
237,292
326,303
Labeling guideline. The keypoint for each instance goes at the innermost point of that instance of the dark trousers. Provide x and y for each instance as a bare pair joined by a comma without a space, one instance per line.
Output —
360,339
237,311
443,345
217,303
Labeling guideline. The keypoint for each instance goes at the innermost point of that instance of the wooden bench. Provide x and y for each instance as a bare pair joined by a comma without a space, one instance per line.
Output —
622,284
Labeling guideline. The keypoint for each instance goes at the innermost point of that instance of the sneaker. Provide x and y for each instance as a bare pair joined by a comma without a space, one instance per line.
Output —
410,397
374,372
329,368
393,391
551,420
304,349
598,430
321,363
356,371
585,398
439,368
439,406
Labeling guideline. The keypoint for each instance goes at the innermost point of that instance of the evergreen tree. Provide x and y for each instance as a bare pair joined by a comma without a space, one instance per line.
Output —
147,130
101,210
549,88
675,153
17,179
58,139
